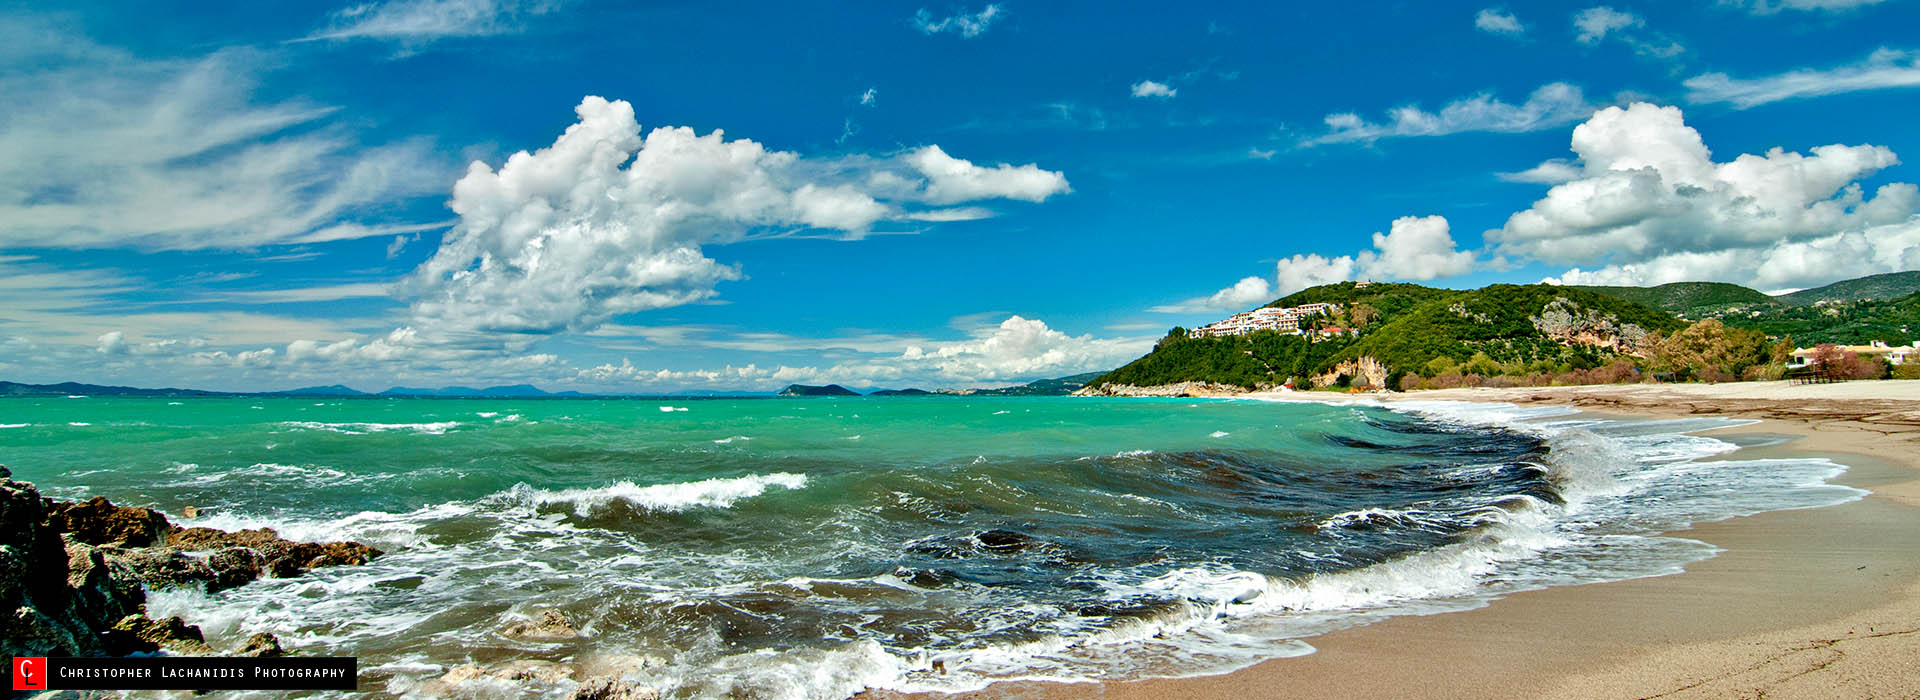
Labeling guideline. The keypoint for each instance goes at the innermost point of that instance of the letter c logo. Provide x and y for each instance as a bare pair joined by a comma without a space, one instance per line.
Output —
26,676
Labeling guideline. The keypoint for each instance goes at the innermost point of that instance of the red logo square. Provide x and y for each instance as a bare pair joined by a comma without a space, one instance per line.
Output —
30,673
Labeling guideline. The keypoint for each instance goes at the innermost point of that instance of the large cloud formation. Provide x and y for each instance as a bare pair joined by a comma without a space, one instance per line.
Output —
607,221
1648,203
1416,248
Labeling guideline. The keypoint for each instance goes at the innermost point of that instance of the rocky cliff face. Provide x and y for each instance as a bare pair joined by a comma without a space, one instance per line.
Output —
74,576
1366,368
1567,321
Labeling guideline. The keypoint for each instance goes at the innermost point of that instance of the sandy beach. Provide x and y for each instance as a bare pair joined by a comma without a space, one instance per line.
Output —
1817,603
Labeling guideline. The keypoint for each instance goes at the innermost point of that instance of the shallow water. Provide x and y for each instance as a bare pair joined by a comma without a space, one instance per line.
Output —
809,548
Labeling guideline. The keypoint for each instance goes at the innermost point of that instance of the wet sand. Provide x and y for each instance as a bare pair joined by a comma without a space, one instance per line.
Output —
1817,603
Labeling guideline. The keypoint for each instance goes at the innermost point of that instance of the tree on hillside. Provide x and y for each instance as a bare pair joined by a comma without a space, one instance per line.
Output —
1363,314
1783,351
1710,351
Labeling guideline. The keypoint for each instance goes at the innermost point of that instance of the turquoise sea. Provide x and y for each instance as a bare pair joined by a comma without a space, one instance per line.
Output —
811,548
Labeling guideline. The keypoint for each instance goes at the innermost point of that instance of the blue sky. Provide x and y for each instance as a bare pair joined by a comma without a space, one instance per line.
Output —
270,195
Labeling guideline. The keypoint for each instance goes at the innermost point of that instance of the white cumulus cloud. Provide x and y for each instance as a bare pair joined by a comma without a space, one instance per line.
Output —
1415,248
1649,188
1498,21
1883,69
1785,264
951,179
607,221
1017,348
1549,172
1149,88
1549,106
1250,291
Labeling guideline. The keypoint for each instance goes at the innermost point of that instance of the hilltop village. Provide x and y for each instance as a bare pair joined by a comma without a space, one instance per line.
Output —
1284,320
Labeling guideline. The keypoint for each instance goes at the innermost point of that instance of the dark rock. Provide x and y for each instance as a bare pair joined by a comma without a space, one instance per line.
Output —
263,645
1003,540
549,625
611,688
98,521
100,589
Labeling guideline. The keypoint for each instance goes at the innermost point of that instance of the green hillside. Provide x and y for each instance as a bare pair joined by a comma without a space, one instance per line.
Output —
1690,298
1534,324
1844,323
1409,328
1892,285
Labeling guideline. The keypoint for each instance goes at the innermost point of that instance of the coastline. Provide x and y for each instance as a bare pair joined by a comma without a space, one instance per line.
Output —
1821,602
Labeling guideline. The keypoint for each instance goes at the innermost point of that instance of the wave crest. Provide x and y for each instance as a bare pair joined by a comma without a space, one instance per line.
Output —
670,498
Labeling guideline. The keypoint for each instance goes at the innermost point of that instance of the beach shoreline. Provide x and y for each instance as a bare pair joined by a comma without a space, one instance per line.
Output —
1820,602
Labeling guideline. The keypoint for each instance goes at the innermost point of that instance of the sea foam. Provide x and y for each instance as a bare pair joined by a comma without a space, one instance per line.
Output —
439,428
710,493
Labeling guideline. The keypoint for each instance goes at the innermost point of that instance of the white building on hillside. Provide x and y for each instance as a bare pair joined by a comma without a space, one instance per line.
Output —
1281,320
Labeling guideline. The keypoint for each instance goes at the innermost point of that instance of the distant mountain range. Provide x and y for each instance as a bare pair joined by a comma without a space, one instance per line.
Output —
1698,299
1043,387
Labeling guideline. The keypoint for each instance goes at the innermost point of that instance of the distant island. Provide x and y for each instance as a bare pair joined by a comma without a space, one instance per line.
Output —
828,390
1058,386
1408,336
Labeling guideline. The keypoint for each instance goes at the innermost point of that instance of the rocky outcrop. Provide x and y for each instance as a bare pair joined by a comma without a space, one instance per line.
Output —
57,600
162,567
279,556
1183,389
549,625
173,634
609,683
74,576
611,688
263,646
98,521
1566,321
